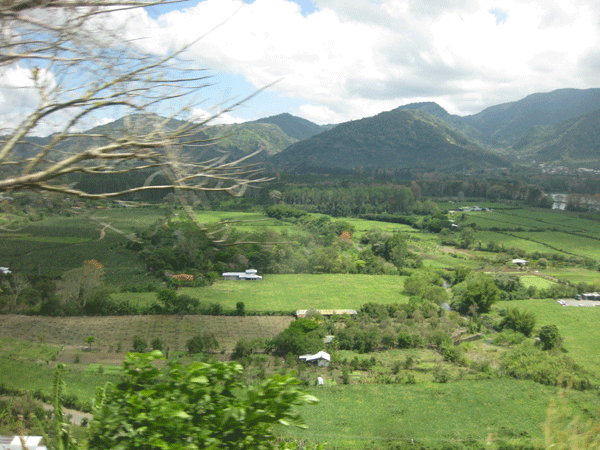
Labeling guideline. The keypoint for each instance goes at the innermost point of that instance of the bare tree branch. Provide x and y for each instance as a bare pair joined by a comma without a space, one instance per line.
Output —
81,70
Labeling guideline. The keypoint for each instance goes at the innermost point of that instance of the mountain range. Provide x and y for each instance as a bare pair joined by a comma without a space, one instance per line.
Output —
555,128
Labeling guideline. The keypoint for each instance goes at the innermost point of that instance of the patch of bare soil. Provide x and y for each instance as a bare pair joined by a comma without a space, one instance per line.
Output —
461,251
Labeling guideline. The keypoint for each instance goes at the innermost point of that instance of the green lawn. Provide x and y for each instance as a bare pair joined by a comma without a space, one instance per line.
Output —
304,291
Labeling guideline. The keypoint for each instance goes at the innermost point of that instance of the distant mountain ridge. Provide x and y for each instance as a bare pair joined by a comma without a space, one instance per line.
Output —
506,123
403,138
561,127
295,127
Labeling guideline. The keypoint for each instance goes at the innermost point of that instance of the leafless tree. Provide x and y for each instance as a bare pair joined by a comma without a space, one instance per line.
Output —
15,284
80,68
80,284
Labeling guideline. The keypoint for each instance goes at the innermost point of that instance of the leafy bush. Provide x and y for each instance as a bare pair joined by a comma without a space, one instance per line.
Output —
243,348
157,344
550,337
139,345
517,320
195,406
200,343
508,337
478,292
528,362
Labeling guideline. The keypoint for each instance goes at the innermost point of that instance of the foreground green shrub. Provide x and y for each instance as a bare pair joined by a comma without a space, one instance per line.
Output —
197,406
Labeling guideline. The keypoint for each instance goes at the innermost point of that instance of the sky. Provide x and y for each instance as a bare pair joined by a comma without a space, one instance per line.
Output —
331,61
339,60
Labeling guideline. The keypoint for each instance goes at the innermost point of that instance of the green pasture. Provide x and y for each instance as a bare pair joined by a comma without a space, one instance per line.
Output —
304,291
26,350
537,282
378,416
27,376
575,275
577,325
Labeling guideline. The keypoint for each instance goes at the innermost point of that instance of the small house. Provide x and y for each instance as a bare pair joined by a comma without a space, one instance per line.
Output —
249,275
591,296
520,262
321,359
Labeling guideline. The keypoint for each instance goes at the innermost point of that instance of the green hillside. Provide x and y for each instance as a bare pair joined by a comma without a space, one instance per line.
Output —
397,139
295,127
507,122
572,142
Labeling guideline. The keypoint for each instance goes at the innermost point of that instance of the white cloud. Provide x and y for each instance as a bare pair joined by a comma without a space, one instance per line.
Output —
199,114
19,97
353,58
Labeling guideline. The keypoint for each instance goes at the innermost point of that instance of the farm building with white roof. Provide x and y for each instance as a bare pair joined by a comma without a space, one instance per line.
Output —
249,274
321,359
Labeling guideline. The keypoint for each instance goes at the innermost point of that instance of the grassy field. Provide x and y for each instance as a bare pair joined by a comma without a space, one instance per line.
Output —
31,377
537,282
575,275
304,291
577,326
374,416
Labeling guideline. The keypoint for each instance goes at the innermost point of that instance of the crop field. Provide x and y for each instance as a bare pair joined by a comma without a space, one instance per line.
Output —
509,240
304,291
375,416
247,221
577,326
564,242
112,331
546,231
489,219
59,243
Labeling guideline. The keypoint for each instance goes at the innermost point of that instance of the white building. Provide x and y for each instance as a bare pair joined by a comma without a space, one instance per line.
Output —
321,359
249,274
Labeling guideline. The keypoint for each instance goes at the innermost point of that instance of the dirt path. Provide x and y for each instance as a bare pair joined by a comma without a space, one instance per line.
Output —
103,232
76,416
